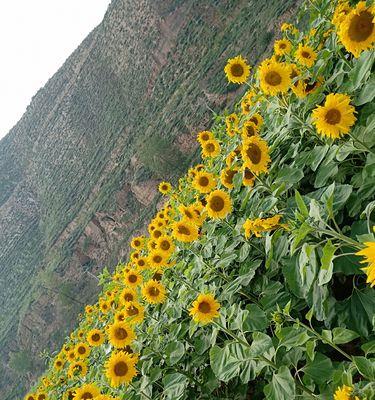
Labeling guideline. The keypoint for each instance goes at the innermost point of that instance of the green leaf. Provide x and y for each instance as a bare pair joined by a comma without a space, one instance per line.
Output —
175,385
342,335
359,72
320,369
282,386
369,347
367,93
310,349
174,352
261,343
301,204
256,319
292,337
326,268
224,365
365,367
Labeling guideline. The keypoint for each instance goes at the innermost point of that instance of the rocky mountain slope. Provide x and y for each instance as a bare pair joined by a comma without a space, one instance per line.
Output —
78,173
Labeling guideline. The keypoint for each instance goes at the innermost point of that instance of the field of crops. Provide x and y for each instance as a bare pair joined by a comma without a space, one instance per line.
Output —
256,278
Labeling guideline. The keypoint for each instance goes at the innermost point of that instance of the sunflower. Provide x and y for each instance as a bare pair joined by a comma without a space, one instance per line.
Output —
133,278
88,391
257,119
156,233
248,177
246,105
165,187
77,369
134,311
58,364
210,148
120,334
237,70
82,350
305,55
41,396
274,77
152,245
249,129
205,308
219,204
344,393
120,368
137,242
104,306
30,396
226,177
165,245
95,337
185,231
255,154
71,355
157,259
231,121
259,225
153,292
204,182
282,47
357,31
369,253
141,263
204,136
89,309
336,117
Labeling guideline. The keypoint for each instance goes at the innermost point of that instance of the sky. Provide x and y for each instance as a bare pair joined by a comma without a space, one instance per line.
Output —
36,37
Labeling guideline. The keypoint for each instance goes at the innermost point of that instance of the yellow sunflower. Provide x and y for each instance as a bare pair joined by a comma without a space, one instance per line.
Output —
104,306
369,253
58,364
231,121
127,295
226,177
357,31
344,393
132,278
257,119
165,187
134,311
77,369
282,47
157,259
95,337
248,177
71,355
137,242
88,391
341,11
185,231
260,225
204,136
219,204
41,396
305,55
204,182
120,368
30,396
153,292
120,334
246,105
165,245
255,154
274,77
210,148
249,129
237,70
141,263
82,350
335,117
205,308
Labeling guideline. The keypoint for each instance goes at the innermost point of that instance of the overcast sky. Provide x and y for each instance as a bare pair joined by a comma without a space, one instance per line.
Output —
36,37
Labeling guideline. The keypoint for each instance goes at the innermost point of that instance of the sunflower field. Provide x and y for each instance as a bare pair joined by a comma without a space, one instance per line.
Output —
255,280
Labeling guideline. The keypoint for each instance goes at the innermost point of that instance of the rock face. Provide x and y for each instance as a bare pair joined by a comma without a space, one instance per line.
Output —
72,188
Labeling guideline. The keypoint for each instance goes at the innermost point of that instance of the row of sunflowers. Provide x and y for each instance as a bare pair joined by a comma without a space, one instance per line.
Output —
255,279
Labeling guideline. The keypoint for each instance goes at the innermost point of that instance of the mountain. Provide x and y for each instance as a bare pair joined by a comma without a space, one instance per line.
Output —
79,171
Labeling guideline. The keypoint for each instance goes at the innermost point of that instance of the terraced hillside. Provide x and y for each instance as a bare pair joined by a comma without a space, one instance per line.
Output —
78,172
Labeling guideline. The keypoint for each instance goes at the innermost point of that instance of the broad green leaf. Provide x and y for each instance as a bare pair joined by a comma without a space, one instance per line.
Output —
174,385
256,319
365,367
301,204
342,335
261,343
320,370
174,352
369,347
292,337
326,268
282,386
224,365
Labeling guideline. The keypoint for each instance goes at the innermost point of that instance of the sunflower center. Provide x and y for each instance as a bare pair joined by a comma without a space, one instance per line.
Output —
157,233
229,175
237,70
205,136
184,230
121,333
217,203
133,278
141,263
361,26
41,397
136,243
87,395
121,317
248,174
81,350
121,368
58,363
273,78
154,291
128,297
254,153
95,337
306,54
157,259
255,120
164,187
157,276
210,147
132,311
203,181
165,245
204,307
333,116
250,131
282,45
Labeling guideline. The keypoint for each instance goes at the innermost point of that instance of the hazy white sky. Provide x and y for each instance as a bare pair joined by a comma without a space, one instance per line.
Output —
36,37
